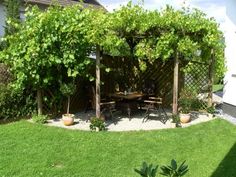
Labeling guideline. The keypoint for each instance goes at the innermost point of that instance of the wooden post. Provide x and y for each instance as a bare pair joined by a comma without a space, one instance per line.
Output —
175,85
98,97
211,79
39,102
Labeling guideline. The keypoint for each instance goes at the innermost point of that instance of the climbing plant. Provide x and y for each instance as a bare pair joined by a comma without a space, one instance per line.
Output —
150,35
53,46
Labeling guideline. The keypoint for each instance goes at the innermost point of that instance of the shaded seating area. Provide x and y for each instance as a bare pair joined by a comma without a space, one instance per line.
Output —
130,104
132,89
127,93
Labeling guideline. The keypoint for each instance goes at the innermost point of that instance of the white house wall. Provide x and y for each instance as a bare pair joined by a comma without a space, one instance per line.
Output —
2,19
230,53
3,16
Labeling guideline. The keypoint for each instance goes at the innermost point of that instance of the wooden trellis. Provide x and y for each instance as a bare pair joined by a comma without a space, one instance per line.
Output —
5,75
196,80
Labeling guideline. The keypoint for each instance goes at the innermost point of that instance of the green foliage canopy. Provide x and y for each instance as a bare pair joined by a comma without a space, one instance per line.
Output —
53,45
49,47
150,35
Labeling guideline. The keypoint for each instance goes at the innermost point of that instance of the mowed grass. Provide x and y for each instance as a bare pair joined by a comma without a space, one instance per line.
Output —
28,149
217,87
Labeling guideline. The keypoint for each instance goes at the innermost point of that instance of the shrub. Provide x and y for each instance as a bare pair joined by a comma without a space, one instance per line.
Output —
173,170
15,104
147,170
41,119
169,170
97,123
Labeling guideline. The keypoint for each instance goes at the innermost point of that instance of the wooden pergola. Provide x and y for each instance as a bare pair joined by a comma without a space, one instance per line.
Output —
175,82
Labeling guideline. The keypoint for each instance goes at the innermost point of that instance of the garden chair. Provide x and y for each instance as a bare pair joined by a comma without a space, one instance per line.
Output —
149,89
154,105
107,108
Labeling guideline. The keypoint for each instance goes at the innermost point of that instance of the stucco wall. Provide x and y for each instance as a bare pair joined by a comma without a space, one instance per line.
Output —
3,15
2,19
230,53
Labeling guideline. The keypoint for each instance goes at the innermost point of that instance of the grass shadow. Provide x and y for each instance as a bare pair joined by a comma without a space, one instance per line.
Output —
227,166
11,120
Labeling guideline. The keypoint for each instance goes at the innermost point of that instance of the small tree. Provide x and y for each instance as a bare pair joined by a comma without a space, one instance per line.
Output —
48,47
68,90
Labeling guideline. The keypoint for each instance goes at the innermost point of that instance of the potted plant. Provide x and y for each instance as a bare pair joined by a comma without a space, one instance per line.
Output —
185,103
184,114
68,90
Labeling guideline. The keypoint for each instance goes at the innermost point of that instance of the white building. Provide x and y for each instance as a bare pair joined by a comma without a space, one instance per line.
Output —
229,95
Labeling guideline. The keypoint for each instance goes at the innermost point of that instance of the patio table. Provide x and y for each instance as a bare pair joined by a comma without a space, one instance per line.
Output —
128,102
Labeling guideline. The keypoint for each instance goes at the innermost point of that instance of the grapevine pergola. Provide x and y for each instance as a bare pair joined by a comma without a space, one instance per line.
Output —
178,35
60,42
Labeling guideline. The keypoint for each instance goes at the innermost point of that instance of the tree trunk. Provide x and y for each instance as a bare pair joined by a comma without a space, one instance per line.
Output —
175,85
98,97
40,102
68,105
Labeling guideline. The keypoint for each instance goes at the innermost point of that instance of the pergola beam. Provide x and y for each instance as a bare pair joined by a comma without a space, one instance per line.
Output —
175,85
211,79
40,101
98,81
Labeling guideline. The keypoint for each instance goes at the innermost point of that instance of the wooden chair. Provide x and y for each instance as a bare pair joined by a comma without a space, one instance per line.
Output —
149,89
107,108
154,104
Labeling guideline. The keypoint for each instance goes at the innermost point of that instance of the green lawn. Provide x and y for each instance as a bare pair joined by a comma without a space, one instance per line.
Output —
28,149
217,87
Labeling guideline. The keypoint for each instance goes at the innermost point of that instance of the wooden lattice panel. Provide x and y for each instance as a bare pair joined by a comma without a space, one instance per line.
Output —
5,75
196,81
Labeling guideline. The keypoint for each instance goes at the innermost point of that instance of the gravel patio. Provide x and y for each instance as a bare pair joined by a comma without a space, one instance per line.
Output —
121,122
